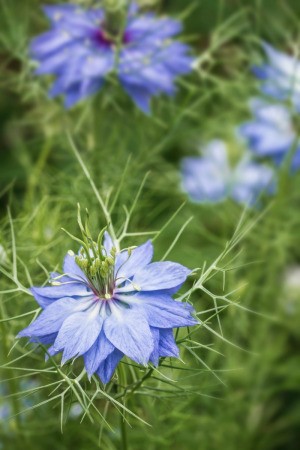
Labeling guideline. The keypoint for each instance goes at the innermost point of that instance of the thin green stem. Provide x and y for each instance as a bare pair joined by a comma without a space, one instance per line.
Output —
123,424
37,172
11,382
123,429
95,190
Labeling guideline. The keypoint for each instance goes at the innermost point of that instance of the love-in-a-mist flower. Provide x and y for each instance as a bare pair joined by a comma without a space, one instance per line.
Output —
82,49
209,178
26,401
111,303
272,132
280,75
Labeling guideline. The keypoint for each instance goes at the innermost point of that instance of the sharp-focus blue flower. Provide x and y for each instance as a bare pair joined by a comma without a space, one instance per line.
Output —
271,133
110,305
280,75
211,179
82,53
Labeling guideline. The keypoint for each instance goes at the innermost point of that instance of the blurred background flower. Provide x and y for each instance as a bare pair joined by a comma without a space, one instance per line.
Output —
244,399
85,46
280,76
210,178
271,133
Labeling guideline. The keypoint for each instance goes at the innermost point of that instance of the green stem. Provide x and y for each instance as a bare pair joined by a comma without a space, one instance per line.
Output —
113,20
12,384
37,172
123,425
123,428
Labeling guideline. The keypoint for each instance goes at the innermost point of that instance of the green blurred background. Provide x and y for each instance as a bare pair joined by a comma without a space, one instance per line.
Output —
256,403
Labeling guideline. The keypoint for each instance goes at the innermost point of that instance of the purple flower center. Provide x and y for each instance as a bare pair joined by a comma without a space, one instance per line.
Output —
104,39
101,291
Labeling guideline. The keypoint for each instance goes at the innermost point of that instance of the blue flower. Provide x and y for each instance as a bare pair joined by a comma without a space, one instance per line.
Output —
211,179
280,75
26,402
110,305
271,133
82,54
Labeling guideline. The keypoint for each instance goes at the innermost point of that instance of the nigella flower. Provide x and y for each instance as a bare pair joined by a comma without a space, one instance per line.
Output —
272,132
82,51
26,402
108,304
210,178
280,75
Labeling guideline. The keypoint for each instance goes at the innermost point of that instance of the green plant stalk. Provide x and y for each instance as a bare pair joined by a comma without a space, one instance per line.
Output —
13,386
123,425
123,428
37,172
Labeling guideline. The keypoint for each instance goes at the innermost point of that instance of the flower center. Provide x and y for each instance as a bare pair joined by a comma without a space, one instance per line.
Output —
105,39
99,272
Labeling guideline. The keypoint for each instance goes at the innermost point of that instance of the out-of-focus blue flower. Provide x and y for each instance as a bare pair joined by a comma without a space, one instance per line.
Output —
110,305
280,75
5,408
271,133
82,53
26,401
210,178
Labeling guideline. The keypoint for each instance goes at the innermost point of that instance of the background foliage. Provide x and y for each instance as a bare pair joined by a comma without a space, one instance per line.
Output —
253,403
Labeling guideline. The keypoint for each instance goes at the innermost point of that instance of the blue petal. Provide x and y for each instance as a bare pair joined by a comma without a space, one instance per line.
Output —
78,333
167,344
44,340
98,66
58,12
128,331
139,258
282,62
250,180
179,64
47,295
260,72
164,344
158,77
157,276
108,366
72,17
99,351
107,243
49,42
56,276
205,179
52,318
271,133
147,27
164,312
70,288
296,160
78,92
154,357
140,96
55,62
121,258
71,268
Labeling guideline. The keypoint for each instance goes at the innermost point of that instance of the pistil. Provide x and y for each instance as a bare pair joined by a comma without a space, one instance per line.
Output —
99,271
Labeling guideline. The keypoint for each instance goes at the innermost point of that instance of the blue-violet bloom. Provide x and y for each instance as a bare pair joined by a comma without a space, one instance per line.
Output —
111,303
209,178
272,133
280,75
26,402
81,53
